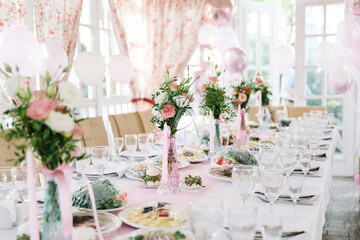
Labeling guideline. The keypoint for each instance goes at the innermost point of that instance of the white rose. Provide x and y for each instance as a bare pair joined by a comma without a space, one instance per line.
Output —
13,85
181,101
161,98
157,114
69,92
60,122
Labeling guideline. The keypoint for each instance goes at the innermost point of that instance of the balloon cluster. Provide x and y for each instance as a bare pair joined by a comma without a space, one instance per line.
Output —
342,58
20,50
215,35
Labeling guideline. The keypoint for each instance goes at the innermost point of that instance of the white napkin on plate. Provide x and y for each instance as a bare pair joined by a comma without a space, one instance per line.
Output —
7,213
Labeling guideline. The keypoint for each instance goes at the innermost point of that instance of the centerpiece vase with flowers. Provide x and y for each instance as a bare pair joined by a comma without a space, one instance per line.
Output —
241,95
218,105
264,99
46,125
172,101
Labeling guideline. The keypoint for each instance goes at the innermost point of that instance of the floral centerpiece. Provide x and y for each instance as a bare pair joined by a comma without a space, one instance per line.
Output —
264,98
45,123
218,105
241,95
172,101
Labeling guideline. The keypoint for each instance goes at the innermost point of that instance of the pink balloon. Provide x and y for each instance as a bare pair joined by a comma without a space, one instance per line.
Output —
121,69
348,33
354,58
340,87
54,60
219,12
235,60
353,6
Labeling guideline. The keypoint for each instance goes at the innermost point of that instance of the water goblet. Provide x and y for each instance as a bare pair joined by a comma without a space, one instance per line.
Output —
244,180
142,137
131,145
313,145
289,162
242,222
119,145
100,158
305,162
199,214
271,228
272,184
295,185
7,186
20,180
84,163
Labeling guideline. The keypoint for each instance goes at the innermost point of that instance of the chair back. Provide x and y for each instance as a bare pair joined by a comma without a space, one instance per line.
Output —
7,152
253,110
127,123
145,117
295,112
94,132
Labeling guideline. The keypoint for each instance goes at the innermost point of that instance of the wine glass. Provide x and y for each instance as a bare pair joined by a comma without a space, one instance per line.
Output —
142,137
313,145
119,144
19,179
244,180
199,214
272,184
295,185
84,163
100,158
305,162
131,145
242,222
267,158
289,162
7,186
271,228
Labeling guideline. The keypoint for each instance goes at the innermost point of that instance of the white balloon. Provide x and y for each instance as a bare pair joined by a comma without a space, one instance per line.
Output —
19,48
225,38
90,68
54,60
120,69
282,58
341,72
207,34
325,56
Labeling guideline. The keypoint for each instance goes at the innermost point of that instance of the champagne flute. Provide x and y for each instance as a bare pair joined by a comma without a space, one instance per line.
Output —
272,184
100,158
244,180
272,228
305,162
119,143
295,185
131,145
199,214
242,222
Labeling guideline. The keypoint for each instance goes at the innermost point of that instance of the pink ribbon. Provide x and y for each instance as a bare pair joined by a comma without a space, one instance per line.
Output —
239,121
260,106
211,133
63,175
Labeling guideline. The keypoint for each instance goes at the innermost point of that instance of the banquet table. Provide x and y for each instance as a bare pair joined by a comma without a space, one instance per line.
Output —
305,218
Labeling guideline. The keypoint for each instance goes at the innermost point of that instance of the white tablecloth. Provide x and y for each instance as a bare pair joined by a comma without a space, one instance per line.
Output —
307,218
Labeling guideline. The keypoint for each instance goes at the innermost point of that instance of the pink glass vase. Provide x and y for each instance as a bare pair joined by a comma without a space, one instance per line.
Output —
243,132
173,169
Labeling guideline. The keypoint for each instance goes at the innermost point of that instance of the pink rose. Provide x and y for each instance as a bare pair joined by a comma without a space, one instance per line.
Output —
237,102
204,86
38,94
40,109
235,93
258,80
213,79
174,87
242,97
188,96
76,152
168,111
77,131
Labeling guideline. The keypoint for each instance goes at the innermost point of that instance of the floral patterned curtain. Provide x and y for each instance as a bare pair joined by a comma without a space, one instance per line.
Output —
58,21
157,35
12,12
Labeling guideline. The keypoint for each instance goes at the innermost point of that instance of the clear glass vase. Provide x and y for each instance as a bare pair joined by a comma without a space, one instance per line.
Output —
173,168
264,121
217,137
52,224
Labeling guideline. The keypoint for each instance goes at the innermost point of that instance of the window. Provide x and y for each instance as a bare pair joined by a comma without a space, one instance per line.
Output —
317,22
96,35
257,28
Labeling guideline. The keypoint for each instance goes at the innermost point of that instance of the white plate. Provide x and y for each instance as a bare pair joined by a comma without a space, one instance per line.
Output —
111,168
182,163
122,217
196,160
217,177
138,154
131,176
135,233
108,210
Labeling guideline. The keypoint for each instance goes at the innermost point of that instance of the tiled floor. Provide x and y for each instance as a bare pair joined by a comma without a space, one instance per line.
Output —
342,215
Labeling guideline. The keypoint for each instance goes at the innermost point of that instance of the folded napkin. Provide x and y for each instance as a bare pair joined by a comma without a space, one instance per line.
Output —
7,213
310,170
